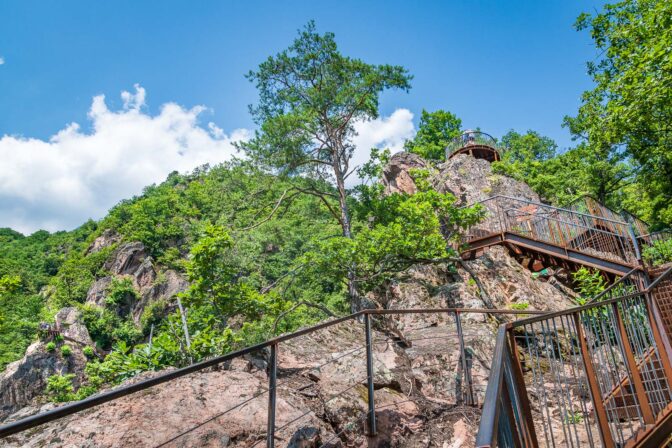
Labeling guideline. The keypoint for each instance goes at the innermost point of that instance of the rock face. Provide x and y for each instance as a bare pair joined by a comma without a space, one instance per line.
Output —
132,260
396,176
108,238
25,379
472,180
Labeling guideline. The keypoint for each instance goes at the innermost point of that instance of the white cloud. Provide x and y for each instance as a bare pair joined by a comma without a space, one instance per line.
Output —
75,175
385,132
59,183
2,60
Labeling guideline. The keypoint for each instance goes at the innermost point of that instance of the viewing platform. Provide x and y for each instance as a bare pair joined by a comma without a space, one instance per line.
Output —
476,144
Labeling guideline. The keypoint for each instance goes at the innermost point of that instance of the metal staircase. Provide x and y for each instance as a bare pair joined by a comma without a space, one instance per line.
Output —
597,375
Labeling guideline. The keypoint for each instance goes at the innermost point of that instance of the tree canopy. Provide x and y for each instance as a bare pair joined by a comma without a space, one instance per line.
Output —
629,111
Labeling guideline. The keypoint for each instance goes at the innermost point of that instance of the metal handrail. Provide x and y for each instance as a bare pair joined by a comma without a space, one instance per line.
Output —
527,201
472,138
648,372
72,408
490,414
614,285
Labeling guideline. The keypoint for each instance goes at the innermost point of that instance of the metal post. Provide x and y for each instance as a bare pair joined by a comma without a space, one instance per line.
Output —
635,243
593,386
631,364
529,432
369,373
272,380
465,367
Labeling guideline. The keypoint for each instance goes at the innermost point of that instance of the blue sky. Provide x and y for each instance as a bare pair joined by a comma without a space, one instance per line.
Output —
496,64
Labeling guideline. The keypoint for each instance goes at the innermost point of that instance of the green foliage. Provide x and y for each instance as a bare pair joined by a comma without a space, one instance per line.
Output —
152,315
306,92
562,178
310,97
66,351
588,283
88,352
660,252
436,130
520,306
400,230
215,278
120,292
106,327
51,346
60,388
33,260
629,110
9,284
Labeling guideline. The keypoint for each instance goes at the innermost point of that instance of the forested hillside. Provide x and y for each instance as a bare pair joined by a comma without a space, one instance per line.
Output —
276,241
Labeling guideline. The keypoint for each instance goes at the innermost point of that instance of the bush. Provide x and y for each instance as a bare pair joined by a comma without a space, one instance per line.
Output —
658,253
120,292
60,389
152,315
66,350
520,306
589,283
106,328
88,352
51,346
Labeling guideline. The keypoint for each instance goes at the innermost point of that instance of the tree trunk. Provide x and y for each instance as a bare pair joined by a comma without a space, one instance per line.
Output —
355,303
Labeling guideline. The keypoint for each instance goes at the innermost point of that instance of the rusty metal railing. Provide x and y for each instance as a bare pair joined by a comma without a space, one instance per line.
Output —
571,230
597,375
470,138
634,281
439,343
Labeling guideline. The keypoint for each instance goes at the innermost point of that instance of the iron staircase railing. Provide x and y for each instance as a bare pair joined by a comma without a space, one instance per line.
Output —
598,375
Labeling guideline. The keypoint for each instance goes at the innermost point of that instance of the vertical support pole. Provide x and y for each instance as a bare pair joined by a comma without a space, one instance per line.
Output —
272,381
369,374
631,364
466,375
529,434
635,244
660,337
593,387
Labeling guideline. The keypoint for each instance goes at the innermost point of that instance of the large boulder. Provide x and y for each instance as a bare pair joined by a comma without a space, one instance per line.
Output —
471,180
396,174
106,239
25,380
132,261
127,258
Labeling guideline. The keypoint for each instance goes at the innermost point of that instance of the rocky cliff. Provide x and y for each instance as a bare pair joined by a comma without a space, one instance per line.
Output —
322,397
24,381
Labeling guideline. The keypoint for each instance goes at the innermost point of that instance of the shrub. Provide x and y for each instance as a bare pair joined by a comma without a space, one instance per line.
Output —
152,314
520,306
589,283
51,346
120,292
60,389
85,391
66,350
658,253
88,352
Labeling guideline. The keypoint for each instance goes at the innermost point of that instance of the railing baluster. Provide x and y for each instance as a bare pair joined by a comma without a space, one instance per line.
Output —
272,383
370,373
631,364
593,387
529,433
466,376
